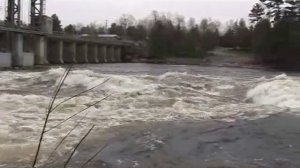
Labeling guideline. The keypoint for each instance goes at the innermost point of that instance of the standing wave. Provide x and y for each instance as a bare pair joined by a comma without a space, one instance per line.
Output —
281,91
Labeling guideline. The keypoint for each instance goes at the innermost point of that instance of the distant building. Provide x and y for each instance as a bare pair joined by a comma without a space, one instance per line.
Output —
107,37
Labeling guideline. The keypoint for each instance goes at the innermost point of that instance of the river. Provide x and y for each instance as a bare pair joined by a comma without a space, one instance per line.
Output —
145,98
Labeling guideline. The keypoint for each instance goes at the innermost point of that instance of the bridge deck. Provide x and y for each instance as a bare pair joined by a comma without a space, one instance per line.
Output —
66,37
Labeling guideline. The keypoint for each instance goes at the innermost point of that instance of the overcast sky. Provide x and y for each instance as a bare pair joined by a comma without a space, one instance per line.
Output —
86,11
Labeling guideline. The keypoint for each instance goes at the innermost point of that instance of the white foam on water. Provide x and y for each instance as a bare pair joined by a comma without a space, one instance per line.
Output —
167,97
281,91
225,87
127,84
116,83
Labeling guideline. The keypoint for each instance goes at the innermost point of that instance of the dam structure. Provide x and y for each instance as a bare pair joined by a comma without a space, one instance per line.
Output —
36,44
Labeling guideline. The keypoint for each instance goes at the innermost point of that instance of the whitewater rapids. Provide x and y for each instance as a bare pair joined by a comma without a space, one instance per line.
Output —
139,93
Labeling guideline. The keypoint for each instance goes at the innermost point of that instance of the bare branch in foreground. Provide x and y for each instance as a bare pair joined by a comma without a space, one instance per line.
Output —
79,94
58,87
66,136
50,129
48,113
76,147
96,154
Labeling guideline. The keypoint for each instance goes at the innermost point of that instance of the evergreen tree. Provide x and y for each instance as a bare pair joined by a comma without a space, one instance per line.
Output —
116,29
90,29
292,10
261,40
243,35
257,13
156,41
209,34
279,43
137,33
70,29
274,9
228,39
56,23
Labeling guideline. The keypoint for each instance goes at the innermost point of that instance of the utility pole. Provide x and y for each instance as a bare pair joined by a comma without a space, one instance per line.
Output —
106,26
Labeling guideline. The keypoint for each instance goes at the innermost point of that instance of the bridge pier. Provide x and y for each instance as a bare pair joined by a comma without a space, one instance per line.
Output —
93,53
40,50
82,53
5,55
117,54
55,51
5,59
19,57
4,41
102,53
69,52
110,54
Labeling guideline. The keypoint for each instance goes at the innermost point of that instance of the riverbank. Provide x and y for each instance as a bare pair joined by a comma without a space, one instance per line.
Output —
220,57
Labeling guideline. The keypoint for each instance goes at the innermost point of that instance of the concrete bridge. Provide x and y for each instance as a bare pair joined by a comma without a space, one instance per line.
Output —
24,47
37,44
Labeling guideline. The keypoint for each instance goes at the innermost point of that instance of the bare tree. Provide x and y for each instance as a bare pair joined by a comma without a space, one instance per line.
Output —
127,20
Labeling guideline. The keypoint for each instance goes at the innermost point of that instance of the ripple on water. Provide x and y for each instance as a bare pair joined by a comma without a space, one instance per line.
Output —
135,98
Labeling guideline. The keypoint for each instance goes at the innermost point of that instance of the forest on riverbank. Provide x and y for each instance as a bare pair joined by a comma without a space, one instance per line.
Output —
272,33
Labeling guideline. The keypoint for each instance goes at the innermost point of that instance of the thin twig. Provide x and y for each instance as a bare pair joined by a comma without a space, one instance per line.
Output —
56,90
76,147
50,129
96,154
74,96
48,113
66,136
217,129
79,122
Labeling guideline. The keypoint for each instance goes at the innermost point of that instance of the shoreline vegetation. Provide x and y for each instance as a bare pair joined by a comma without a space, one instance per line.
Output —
272,34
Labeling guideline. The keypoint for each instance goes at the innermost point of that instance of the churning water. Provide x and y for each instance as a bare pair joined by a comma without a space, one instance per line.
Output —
139,93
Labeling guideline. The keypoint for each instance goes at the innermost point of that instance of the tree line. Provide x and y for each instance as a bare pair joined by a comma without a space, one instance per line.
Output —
276,34
273,34
163,34
237,35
